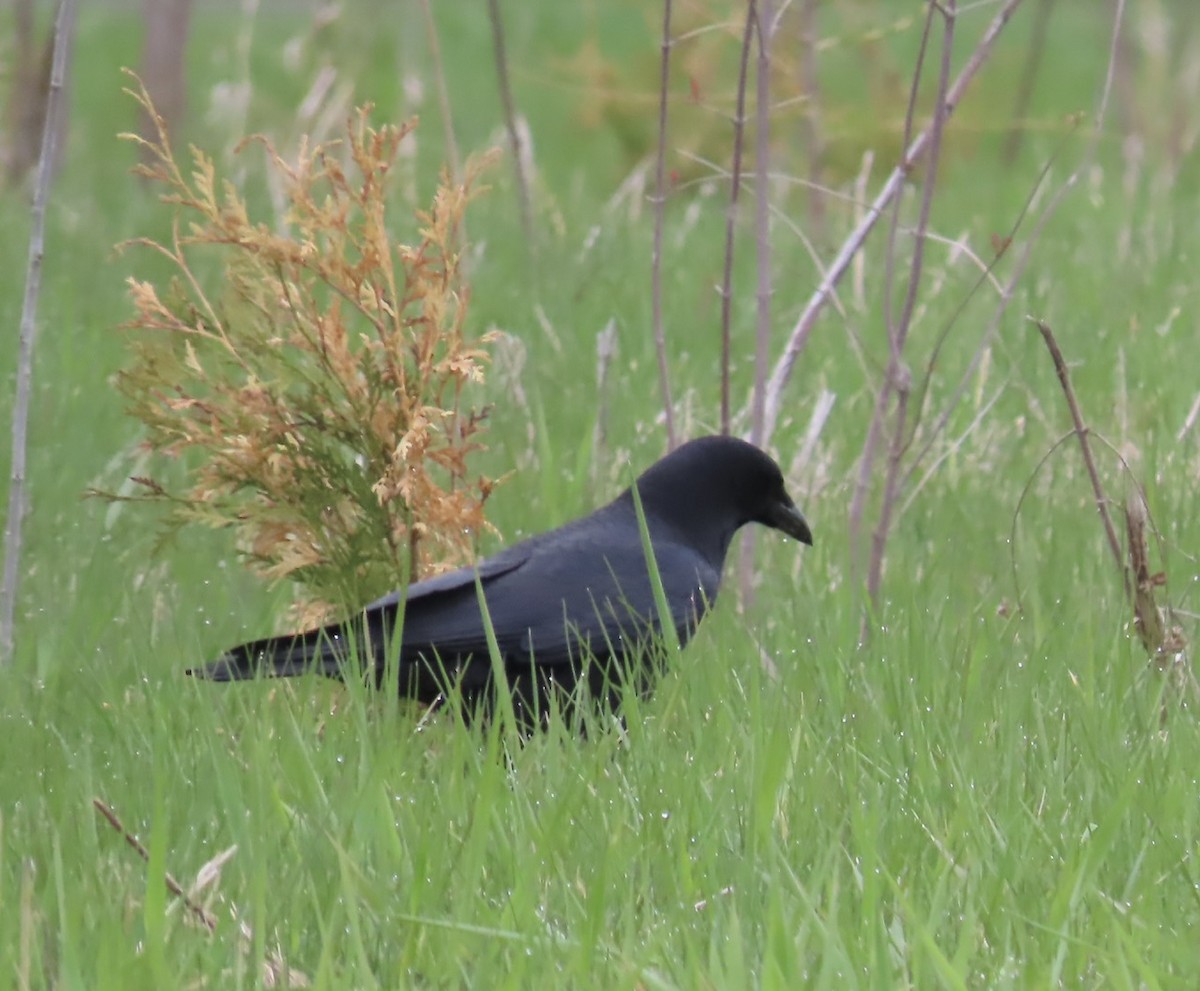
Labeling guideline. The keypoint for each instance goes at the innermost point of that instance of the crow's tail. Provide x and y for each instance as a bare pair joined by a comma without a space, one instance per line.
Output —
322,651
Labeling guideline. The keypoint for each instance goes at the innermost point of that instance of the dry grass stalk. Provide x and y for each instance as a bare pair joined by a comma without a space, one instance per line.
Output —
322,386
275,970
173,886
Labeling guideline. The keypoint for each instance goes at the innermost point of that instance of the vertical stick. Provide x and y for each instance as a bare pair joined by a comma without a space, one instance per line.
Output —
1081,433
64,26
898,375
735,188
510,125
660,338
765,28
762,216
866,462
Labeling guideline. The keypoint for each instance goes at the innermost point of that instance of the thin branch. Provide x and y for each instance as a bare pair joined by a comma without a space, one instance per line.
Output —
899,377
1006,293
1022,262
739,126
891,382
510,125
765,29
1081,432
762,215
895,345
660,168
64,27
782,371
173,886
1166,646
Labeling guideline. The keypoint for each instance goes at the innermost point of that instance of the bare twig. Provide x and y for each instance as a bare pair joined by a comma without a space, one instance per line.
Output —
173,886
891,381
739,127
895,346
782,371
1165,644
903,439
524,201
899,378
765,29
660,168
64,27
1022,262
1081,432
1006,292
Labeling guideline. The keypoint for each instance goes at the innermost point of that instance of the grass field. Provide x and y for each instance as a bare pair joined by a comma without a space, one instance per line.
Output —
997,791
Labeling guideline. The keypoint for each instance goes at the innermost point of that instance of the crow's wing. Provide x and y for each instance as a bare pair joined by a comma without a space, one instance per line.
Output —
559,594
326,648
459,579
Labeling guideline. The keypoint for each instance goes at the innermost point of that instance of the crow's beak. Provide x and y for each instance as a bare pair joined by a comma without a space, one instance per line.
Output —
783,515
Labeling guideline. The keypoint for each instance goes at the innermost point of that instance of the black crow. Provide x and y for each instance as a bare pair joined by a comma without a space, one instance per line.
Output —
574,602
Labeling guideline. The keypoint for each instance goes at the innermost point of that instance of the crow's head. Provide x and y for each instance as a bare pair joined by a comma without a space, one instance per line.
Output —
709,487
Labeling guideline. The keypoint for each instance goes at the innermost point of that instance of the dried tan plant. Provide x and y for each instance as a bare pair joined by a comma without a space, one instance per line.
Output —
313,379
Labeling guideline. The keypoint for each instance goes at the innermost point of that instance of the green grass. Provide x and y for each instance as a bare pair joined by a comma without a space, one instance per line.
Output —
979,798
